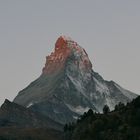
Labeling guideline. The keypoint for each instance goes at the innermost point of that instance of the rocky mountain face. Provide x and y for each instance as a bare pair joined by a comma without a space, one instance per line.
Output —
68,86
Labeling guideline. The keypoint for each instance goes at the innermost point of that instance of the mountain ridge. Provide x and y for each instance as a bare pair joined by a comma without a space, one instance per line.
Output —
15,115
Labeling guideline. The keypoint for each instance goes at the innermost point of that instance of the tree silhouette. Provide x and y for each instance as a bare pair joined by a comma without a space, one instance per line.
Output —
106,109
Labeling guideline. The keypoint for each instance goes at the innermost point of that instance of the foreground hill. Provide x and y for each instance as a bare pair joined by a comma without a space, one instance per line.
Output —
14,115
9,133
121,124
20,123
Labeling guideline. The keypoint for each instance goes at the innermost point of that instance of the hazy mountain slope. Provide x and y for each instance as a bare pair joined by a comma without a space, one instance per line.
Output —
14,115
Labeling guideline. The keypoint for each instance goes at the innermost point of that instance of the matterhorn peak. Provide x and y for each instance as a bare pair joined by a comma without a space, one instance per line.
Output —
65,48
64,41
68,86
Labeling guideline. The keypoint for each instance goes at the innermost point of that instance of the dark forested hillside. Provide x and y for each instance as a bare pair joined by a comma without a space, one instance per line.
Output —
121,124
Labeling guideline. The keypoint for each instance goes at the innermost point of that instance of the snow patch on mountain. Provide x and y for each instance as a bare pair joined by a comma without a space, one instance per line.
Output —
30,104
78,109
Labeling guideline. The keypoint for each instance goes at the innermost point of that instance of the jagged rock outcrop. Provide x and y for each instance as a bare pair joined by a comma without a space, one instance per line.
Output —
65,47
68,86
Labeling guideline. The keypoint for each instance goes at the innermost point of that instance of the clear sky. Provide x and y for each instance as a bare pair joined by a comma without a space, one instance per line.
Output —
109,30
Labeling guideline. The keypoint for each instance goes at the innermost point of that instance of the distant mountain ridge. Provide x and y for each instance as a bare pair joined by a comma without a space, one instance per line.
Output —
14,115
68,86
20,123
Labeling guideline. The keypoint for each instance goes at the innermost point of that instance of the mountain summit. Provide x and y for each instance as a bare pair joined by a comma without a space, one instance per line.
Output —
65,47
68,86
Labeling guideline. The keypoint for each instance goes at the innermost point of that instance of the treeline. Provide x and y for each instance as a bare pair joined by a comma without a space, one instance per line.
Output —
121,124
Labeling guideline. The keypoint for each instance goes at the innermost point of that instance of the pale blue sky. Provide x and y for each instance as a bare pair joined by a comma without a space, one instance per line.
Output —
109,30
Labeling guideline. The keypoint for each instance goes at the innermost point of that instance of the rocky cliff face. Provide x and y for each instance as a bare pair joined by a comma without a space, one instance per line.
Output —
68,86
65,48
